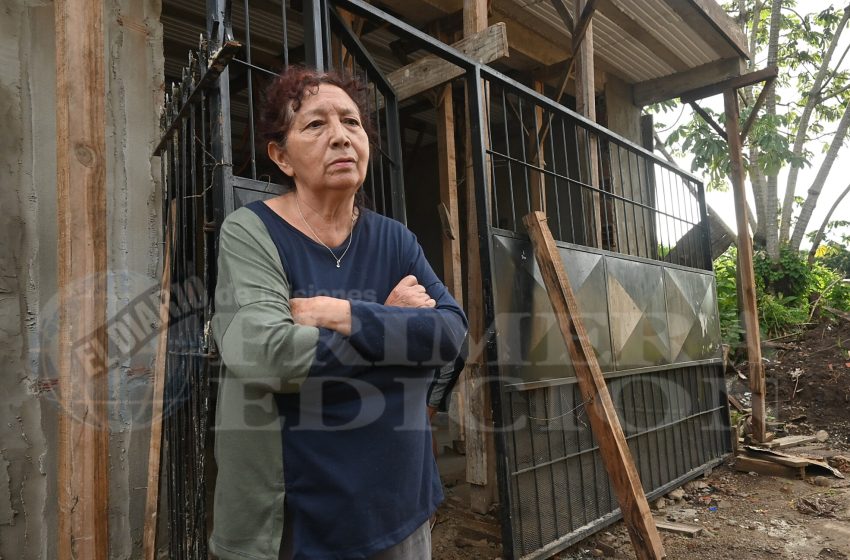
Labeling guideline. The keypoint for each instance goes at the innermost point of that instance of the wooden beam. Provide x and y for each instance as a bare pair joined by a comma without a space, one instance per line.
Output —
745,130
537,148
429,72
475,16
708,118
613,447
586,105
564,12
717,17
583,24
674,85
696,20
447,162
747,286
83,462
154,454
479,440
735,82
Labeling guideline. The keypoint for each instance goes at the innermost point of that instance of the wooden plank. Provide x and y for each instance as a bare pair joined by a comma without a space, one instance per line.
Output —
723,23
735,82
747,287
767,468
537,147
790,441
475,16
678,528
586,105
598,404
429,72
479,440
674,85
776,457
754,111
695,19
152,500
83,454
447,162
707,118
587,9
564,12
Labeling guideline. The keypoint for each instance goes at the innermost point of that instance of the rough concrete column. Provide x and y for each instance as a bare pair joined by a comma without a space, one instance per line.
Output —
28,274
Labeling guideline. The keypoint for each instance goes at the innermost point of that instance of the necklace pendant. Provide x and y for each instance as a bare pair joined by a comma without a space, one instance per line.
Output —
337,264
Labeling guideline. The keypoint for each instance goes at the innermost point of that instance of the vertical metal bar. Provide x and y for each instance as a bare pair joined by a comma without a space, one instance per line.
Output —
479,157
526,168
570,206
615,202
641,175
394,139
250,91
557,179
706,228
603,197
314,34
664,190
510,165
285,34
488,121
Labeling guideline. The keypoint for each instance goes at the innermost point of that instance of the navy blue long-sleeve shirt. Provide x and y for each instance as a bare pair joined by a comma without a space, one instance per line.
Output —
358,467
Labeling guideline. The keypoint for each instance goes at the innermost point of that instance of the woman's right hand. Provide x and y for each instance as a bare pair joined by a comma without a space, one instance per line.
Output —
410,293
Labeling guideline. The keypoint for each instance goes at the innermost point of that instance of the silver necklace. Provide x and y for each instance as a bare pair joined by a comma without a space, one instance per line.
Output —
350,234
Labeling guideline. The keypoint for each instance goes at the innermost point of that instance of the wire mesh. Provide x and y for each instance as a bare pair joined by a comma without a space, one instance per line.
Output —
674,424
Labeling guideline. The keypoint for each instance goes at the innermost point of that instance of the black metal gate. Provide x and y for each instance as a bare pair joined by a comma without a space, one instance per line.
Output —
210,168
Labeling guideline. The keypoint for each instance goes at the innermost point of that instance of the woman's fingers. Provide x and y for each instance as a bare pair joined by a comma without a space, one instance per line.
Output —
410,293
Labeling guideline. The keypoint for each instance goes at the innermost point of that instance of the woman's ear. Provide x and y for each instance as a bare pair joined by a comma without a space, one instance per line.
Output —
277,154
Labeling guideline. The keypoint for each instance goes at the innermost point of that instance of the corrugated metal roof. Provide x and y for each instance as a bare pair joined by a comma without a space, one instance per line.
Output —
633,58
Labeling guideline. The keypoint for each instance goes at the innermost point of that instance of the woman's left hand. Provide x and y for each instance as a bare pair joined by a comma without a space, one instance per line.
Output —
322,311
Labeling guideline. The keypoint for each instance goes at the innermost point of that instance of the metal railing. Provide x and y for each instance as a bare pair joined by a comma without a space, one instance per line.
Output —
598,190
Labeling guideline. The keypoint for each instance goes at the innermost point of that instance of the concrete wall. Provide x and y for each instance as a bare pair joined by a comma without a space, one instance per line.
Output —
28,265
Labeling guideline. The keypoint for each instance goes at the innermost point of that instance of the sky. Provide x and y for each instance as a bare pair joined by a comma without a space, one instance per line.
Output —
723,203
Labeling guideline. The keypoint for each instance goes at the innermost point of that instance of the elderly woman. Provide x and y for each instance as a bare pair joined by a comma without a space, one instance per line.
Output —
330,323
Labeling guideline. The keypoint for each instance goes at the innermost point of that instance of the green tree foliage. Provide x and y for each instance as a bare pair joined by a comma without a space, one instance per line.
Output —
789,291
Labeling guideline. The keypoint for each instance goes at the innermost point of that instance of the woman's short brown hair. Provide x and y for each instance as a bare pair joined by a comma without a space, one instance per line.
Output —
284,95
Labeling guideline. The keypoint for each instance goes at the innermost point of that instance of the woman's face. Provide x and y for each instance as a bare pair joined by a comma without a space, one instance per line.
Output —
327,148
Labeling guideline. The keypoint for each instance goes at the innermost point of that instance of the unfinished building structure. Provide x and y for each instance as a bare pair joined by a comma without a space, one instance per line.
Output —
485,111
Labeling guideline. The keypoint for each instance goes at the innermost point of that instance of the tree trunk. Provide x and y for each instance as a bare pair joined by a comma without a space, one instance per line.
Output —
819,237
803,127
817,184
771,195
757,180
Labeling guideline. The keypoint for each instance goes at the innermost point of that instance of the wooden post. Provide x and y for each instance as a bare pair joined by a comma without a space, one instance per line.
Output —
604,422
447,156
479,441
83,482
586,105
747,283
536,143
152,502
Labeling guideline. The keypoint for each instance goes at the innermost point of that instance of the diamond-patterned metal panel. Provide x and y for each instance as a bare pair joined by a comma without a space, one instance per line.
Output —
694,326
530,345
638,314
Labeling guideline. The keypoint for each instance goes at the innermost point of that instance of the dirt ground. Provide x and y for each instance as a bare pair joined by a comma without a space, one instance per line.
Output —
742,515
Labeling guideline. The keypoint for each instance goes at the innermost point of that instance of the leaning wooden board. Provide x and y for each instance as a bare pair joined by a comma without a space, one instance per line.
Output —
604,422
